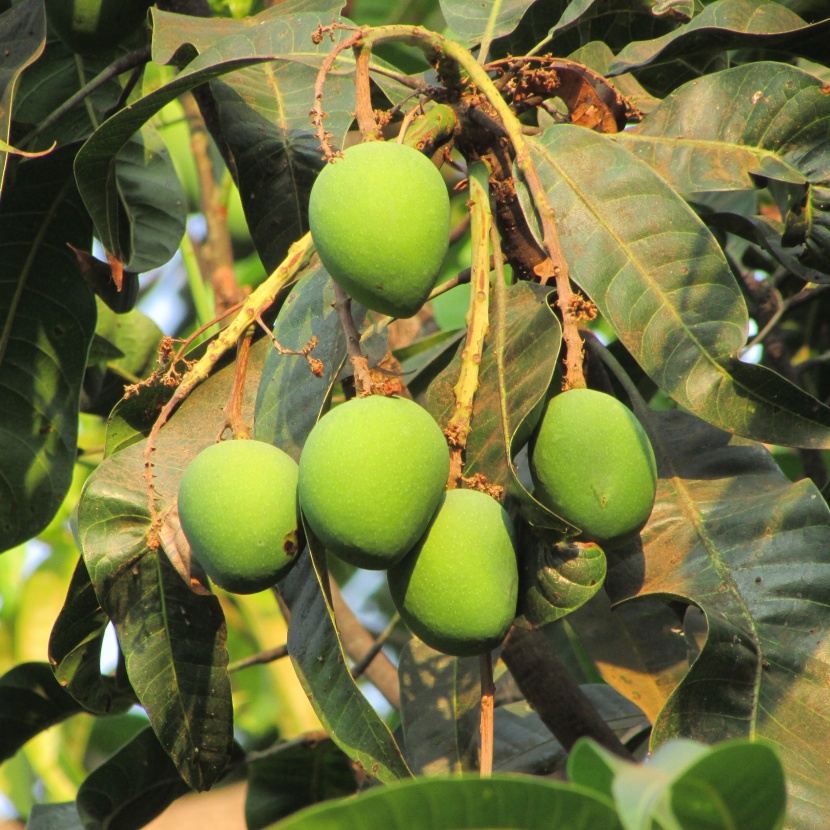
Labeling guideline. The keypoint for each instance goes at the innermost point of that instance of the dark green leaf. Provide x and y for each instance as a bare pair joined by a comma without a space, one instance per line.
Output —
475,21
272,125
54,817
48,319
440,701
75,650
662,282
136,338
173,639
732,535
31,700
22,33
776,133
131,788
514,375
290,398
730,24
462,804
318,659
298,775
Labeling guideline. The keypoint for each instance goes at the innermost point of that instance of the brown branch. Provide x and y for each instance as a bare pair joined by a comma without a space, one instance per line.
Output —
262,658
364,114
361,665
487,723
360,365
233,409
358,642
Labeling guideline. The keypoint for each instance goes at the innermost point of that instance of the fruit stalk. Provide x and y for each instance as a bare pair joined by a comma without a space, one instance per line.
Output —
360,364
478,321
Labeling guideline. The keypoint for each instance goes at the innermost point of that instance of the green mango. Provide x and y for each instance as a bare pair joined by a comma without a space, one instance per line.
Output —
457,589
380,220
372,472
238,511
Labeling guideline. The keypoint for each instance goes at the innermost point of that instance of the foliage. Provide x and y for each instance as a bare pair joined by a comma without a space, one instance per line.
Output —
647,181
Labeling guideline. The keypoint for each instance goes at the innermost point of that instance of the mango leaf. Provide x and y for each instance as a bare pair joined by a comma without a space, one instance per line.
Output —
730,534
440,701
293,776
730,24
75,650
476,21
462,804
662,283
62,816
131,788
687,784
31,700
173,639
48,318
523,744
775,112
291,399
513,378
318,658
22,35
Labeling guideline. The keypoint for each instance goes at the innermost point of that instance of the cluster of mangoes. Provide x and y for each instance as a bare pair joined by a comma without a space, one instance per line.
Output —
371,479
371,487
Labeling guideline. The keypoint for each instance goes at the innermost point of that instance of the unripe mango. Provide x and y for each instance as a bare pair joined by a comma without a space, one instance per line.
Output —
457,589
238,510
593,465
372,472
380,220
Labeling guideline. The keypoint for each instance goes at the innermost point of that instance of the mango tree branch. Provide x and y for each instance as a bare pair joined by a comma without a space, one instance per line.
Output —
436,46
360,365
260,299
478,322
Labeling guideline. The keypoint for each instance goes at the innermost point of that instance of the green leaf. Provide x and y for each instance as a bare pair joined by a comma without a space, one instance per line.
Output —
440,702
514,375
54,817
318,659
291,398
273,39
22,34
462,803
476,21
775,112
136,338
687,785
154,204
48,319
75,650
730,24
131,788
31,700
730,534
173,639
295,775
662,283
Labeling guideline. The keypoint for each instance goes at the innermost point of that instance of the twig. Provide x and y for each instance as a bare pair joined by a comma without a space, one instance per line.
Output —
478,324
261,658
260,299
233,410
365,116
487,723
360,365
361,665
